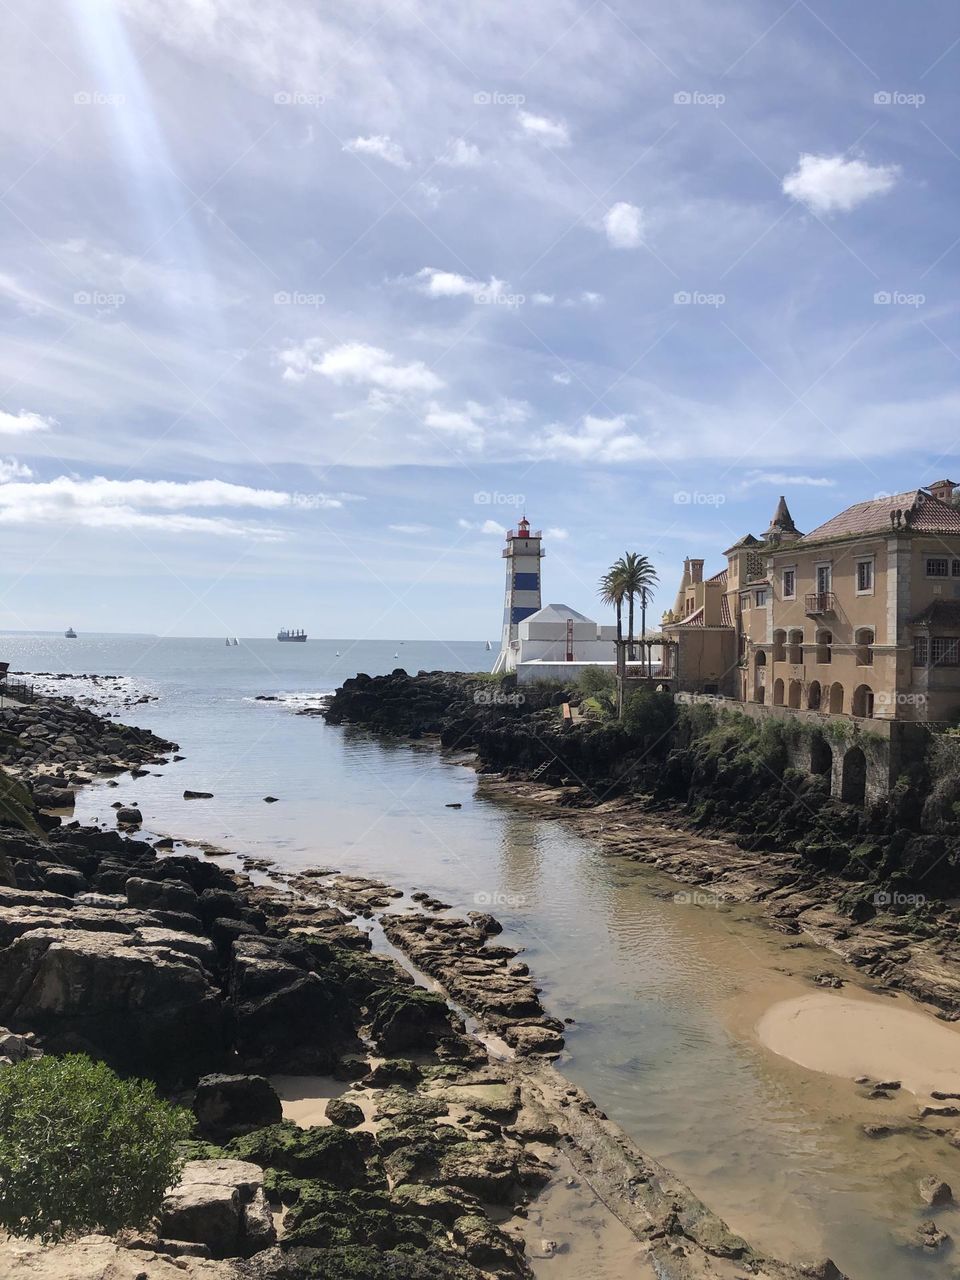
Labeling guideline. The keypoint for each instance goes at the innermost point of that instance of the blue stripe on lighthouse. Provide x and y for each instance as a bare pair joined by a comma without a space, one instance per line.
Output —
526,581
519,612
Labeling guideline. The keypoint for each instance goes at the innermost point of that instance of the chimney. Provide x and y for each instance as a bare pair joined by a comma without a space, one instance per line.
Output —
942,489
696,571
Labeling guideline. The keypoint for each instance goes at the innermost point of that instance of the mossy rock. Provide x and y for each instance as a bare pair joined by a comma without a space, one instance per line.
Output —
444,1204
328,1152
366,1263
197,1149
391,1137
405,1018
487,1247
325,1218
403,1109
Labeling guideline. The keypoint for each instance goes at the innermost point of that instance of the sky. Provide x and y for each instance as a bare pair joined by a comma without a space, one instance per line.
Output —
304,304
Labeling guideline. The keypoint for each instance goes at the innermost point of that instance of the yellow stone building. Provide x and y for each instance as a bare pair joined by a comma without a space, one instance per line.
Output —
860,617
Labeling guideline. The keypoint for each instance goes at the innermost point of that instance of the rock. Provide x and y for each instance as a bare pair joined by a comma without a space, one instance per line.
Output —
824,1269
198,795
948,1110
146,1011
129,817
407,1018
165,895
929,1236
229,1105
487,1247
933,1191
343,1113
288,1017
99,1258
270,799
534,1039
14,1048
208,1206
259,1231
326,1152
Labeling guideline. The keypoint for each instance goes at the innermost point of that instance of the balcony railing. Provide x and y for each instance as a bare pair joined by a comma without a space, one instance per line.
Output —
819,602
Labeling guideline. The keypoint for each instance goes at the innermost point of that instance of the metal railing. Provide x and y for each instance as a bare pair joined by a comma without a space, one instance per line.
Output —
820,602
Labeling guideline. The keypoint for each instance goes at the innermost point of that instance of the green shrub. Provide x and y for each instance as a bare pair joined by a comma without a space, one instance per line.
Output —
649,714
595,679
82,1150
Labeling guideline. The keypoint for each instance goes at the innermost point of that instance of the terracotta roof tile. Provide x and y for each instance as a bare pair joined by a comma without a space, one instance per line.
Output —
725,619
921,512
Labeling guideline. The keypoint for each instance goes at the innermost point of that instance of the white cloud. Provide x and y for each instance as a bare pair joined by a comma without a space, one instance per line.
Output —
562,378
461,155
552,133
597,440
827,183
379,145
409,528
484,526
558,535
22,423
357,363
148,505
450,284
542,299
11,469
624,224
784,479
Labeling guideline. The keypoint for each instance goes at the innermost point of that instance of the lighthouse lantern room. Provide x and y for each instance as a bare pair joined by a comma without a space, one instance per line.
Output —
523,554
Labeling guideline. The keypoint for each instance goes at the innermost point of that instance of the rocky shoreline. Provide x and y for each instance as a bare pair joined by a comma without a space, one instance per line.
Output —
854,892
167,965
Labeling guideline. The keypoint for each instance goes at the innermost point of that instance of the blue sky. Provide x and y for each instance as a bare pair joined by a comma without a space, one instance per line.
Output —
302,304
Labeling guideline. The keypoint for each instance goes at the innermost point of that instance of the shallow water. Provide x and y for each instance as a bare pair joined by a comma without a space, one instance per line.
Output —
665,994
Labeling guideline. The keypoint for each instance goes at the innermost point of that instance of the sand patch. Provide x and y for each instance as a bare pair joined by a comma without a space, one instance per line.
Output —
883,1039
304,1099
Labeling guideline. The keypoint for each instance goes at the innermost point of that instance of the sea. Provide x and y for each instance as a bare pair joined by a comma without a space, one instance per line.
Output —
662,988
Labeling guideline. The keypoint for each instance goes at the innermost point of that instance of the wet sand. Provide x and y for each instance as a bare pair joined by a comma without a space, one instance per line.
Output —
856,1035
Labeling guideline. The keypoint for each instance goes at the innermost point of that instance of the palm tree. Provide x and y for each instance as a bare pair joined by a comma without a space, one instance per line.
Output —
612,592
637,577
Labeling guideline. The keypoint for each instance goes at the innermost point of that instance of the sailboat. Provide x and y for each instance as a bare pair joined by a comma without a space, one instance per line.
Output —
489,646
231,643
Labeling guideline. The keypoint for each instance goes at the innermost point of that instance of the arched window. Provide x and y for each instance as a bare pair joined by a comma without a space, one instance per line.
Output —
863,701
814,694
795,647
864,642
779,646
824,646
778,693
821,756
836,700
793,694
759,676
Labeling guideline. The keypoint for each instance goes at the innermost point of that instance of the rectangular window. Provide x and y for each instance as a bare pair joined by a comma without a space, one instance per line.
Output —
945,651
761,598
938,567
745,600
789,584
864,576
823,578
921,650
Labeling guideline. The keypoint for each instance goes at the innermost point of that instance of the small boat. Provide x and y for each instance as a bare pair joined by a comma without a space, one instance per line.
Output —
227,642
70,634
297,637
236,642
489,646
338,653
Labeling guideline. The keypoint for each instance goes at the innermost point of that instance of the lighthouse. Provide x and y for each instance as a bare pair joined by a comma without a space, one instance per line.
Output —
523,554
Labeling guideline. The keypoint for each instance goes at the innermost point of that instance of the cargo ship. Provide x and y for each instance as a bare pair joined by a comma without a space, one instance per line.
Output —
297,637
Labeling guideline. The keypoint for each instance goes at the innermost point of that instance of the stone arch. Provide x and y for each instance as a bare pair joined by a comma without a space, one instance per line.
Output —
835,706
795,647
863,638
853,780
863,701
778,692
793,694
821,756
779,646
814,694
824,646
